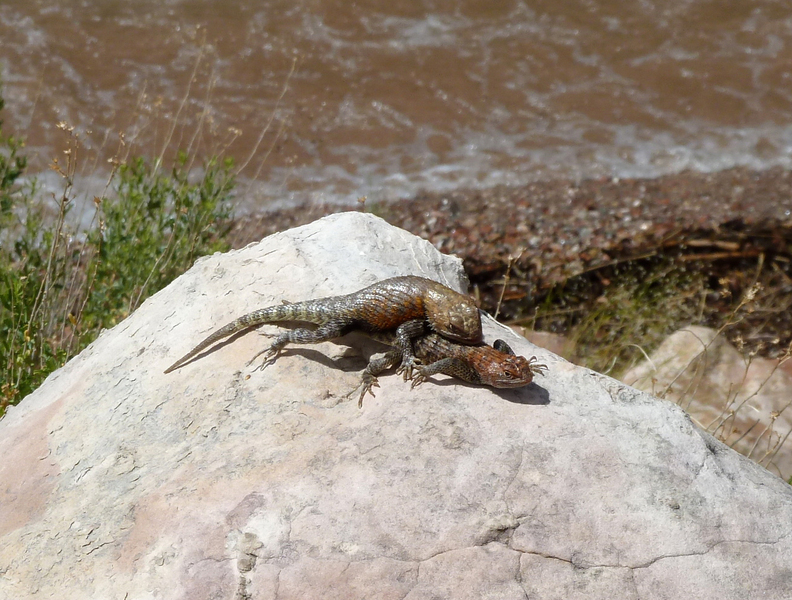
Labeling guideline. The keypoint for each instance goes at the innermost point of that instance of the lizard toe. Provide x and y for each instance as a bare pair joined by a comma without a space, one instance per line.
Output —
536,367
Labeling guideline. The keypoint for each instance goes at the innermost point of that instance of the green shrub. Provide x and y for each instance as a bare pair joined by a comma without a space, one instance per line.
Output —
152,231
12,166
59,288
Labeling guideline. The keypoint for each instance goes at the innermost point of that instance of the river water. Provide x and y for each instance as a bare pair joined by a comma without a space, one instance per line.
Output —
330,100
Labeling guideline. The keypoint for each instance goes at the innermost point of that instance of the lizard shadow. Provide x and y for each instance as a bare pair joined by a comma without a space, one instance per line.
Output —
219,344
531,394
347,364
239,334
357,347
362,348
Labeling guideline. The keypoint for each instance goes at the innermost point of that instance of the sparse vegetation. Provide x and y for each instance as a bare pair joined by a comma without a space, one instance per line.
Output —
614,320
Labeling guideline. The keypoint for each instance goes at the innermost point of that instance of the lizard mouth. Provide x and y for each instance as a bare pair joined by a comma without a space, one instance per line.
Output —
460,338
459,334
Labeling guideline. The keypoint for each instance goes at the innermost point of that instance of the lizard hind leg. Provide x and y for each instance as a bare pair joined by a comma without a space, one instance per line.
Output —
270,353
327,331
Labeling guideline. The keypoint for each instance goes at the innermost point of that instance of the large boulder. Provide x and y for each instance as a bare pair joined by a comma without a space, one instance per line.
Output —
222,481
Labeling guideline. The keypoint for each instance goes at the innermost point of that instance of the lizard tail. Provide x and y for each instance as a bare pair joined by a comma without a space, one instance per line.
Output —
299,311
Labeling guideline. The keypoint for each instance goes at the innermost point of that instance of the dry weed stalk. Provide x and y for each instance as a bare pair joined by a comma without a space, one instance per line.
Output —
506,276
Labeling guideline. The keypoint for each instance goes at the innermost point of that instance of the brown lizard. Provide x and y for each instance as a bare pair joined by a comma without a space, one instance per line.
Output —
497,365
405,306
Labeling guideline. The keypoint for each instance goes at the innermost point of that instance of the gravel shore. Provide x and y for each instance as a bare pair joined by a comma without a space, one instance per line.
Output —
554,230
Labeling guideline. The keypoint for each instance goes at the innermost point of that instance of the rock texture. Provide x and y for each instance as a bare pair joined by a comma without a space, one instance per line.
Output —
746,404
222,481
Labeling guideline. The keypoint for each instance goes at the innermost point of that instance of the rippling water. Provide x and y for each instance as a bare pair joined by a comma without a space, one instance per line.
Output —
329,100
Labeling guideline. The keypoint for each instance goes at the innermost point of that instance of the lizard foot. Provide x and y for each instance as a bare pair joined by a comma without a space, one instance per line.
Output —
368,382
407,367
271,354
536,367
418,378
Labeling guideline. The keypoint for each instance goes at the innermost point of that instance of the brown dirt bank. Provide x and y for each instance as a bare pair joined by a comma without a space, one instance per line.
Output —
734,224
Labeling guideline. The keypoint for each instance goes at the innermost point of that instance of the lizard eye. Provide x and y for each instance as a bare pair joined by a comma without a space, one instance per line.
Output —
508,374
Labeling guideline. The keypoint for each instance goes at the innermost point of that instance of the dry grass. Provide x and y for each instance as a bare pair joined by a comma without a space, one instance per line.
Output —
617,318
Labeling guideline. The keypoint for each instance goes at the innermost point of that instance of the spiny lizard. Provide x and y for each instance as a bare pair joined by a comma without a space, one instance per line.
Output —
402,305
497,365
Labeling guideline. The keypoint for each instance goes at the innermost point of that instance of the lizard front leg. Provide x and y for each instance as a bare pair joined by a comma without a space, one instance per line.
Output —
404,336
454,367
502,346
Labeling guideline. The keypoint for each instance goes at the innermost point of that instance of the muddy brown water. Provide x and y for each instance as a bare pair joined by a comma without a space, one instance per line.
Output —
329,100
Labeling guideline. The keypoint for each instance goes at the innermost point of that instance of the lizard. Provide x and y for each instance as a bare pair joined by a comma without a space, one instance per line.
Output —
496,366
405,306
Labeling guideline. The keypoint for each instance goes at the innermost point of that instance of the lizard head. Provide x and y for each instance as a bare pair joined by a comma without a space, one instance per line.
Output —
454,316
510,371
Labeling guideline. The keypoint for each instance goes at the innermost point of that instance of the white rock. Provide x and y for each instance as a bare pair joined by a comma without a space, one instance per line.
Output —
747,404
220,481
